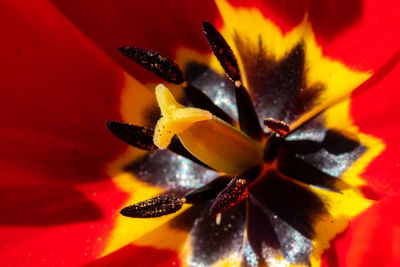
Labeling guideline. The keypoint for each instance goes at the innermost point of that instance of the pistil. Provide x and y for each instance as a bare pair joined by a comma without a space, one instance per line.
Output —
208,138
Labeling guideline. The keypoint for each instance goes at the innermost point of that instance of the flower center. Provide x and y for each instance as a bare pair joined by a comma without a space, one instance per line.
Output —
208,138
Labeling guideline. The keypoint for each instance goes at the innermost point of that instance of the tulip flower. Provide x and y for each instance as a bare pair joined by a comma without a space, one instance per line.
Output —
276,143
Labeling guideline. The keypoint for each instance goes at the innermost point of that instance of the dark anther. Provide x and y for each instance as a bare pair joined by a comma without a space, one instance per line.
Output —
278,127
140,137
154,207
272,147
235,192
248,119
155,62
222,51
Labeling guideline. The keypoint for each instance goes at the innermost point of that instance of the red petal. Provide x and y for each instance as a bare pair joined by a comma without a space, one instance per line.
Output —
372,240
58,91
376,112
160,26
132,255
369,39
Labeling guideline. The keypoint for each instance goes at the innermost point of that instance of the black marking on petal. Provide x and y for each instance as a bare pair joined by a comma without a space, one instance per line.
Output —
279,89
278,127
154,207
207,191
303,144
298,169
302,147
235,192
250,258
293,203
339,142
211,241
222,51
305,160
157,63
201,100
295,247
271,237
260,231
166,169
140,137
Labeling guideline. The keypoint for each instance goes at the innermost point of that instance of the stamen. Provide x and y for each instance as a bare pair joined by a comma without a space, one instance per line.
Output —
155,62
235,192
278,127
154,207
248,119
140,137
222,51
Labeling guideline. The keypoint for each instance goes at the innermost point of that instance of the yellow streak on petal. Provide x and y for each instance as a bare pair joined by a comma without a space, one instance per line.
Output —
230,261
338,79
127,229
135,92
338,117
343,207
165,236
155,232
341,210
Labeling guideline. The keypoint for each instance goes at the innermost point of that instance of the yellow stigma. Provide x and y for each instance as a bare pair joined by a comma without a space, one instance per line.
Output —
211,140
175,117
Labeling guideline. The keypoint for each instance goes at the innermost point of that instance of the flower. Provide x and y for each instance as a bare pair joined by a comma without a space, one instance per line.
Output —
55,150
